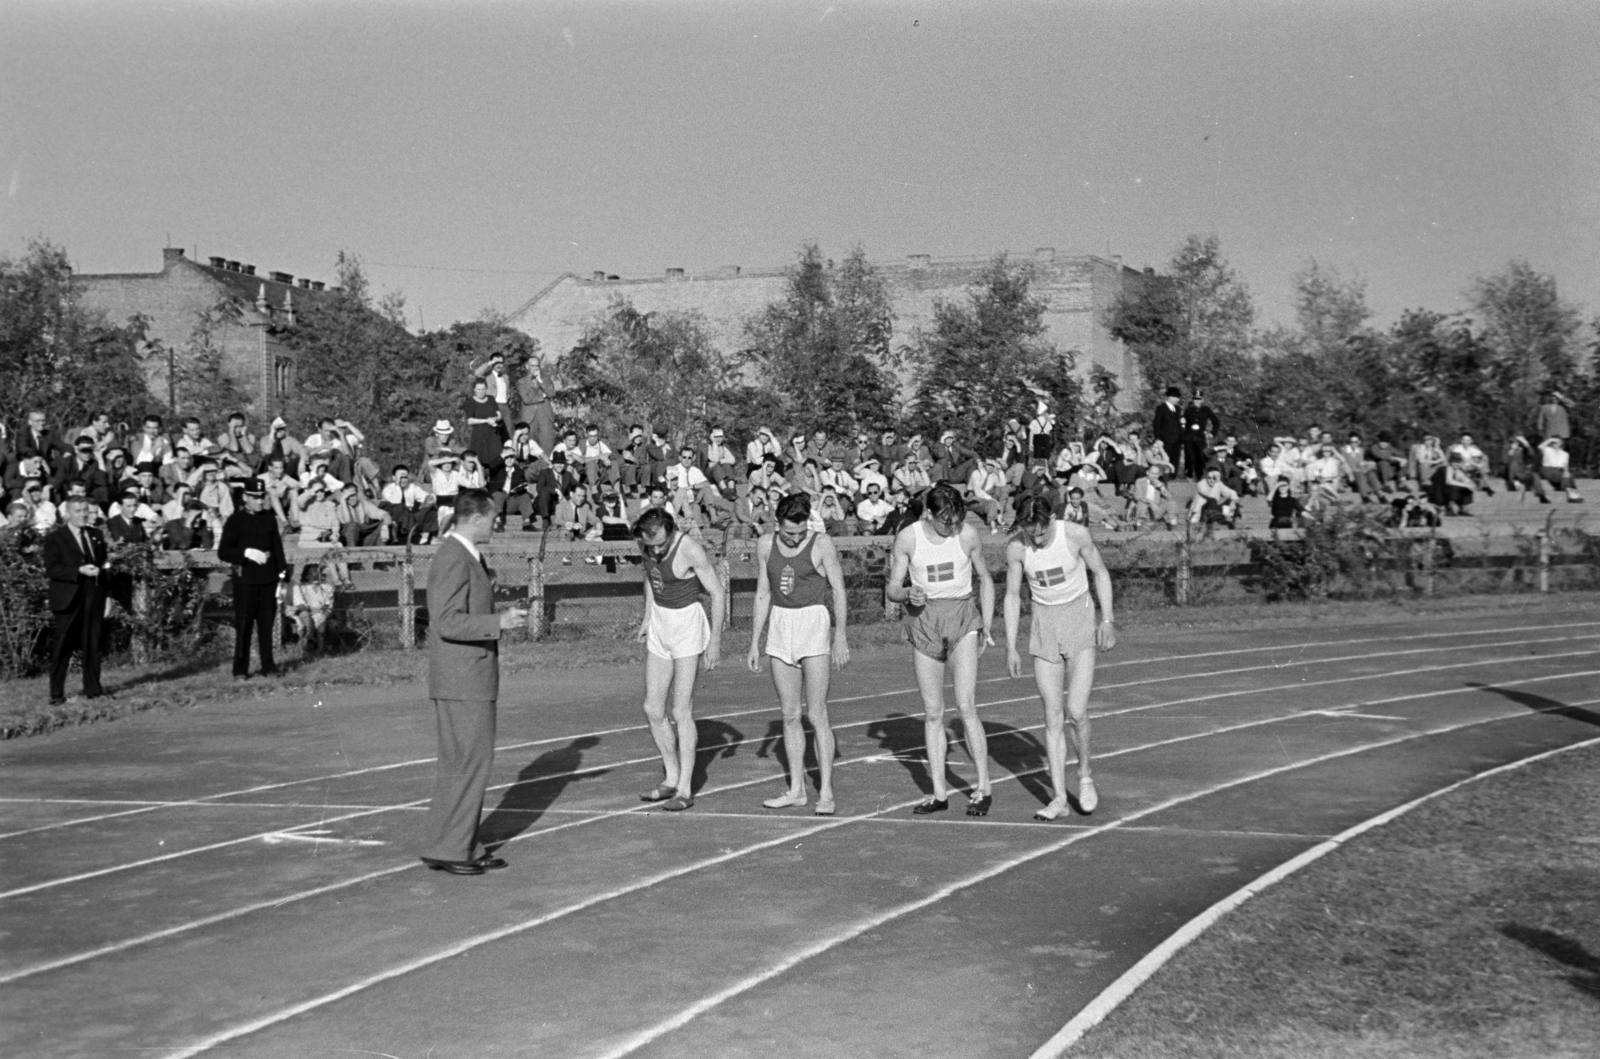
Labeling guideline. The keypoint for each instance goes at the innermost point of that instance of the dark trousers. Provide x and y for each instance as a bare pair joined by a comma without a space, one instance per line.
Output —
1194,455
78,629
1173,449
254,607
466,753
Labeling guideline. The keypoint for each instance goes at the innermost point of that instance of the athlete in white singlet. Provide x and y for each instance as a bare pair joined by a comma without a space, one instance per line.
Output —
797,577
942,557
1054,558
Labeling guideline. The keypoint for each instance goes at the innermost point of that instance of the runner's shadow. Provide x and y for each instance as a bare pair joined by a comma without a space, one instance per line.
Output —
714,739
901,735
1563,950
538,786
1021,754
1540,703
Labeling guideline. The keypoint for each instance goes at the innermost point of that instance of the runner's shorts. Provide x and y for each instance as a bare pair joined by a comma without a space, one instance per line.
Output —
798,632
680,632
1062,630
939,624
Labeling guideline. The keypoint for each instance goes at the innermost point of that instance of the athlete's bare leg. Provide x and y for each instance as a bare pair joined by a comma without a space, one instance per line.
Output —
684,673
658,673
1079,681
1049,676
818,673
964,674
788,680
930,681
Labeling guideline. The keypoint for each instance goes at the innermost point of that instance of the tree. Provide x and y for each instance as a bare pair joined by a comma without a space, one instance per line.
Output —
200,384
984,359
1531,333
824,349
1192,327
358,362
661,369
58,356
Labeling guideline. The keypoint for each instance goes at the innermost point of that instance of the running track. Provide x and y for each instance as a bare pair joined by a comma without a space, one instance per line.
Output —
235,881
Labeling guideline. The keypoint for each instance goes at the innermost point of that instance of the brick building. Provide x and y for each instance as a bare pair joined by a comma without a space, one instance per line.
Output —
253,350
1079,291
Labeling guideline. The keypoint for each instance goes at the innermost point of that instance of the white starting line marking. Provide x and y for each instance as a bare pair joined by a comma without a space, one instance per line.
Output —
318,836
1347,712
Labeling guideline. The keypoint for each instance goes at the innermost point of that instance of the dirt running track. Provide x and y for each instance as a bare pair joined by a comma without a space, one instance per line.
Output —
236,881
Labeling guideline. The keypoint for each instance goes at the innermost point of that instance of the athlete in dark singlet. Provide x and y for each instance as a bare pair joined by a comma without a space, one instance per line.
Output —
797,577
679,582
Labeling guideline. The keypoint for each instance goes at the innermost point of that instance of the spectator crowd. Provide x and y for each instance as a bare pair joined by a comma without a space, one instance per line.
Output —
175,487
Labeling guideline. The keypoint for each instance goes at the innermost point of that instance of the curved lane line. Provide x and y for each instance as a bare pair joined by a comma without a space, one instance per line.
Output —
661,1029
1114,994
414,762
639,1040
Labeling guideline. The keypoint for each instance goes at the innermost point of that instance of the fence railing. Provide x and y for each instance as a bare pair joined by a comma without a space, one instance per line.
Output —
596,585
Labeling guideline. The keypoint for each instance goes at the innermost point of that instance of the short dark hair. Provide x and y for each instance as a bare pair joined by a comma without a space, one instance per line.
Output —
523,425
236,415
397,468
153,419
1034,511
635,426
944,502
653,519
473,503
592,426
796,507
191,419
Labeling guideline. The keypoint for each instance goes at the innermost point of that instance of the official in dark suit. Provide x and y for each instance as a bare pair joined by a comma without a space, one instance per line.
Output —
1169,426
1200,424
252,544
464,683
75,561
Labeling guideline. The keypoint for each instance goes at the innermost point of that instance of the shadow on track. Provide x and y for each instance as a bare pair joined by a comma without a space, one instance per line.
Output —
538,786
1021,754
1564,950
1542,704
901,735
771,742
715,739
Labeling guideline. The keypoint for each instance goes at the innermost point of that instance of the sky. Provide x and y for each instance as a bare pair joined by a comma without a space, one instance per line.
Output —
471,153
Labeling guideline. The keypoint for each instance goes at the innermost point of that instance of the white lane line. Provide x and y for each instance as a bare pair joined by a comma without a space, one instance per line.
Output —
256,836
651,1034
414,762
318,836
466,945
1114,994
593,816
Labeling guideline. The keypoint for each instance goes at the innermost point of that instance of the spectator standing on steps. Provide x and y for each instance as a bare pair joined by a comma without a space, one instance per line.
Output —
1199,424
1168,428
1552,421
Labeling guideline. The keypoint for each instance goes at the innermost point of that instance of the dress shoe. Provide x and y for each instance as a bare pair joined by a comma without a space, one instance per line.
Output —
57,701
454,867
489,862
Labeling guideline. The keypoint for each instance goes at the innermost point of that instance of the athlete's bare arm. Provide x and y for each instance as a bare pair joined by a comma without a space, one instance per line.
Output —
826,556
1105,634
763,605
897,590
980,570
649,602
1013,606
695,557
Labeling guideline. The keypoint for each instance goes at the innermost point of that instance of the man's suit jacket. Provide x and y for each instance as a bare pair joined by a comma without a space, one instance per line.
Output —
121,530
62,557
46,445
95,481
1168,424
463,629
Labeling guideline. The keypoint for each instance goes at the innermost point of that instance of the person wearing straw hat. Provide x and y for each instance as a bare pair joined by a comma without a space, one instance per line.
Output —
439,440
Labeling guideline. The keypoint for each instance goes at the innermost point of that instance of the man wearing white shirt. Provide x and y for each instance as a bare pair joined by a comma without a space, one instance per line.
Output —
763,445
835,475
873,508
407,504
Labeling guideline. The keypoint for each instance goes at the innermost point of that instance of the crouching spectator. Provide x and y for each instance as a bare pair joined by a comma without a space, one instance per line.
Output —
873,511
1151,500
411,509
362,523
1555,468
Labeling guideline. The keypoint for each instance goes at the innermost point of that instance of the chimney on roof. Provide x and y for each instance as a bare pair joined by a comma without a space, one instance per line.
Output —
1045,255
1148,271
920,260
599,275
217,262
675,273
282,277
317,284
169,254
612,276
232,266
248,270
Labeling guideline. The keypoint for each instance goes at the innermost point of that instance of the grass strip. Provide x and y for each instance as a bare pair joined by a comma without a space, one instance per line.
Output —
1468,928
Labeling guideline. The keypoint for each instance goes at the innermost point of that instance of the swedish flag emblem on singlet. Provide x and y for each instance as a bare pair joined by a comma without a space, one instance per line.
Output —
1050,578
941,572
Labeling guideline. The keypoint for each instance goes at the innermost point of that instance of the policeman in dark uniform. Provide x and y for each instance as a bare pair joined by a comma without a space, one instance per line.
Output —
252,544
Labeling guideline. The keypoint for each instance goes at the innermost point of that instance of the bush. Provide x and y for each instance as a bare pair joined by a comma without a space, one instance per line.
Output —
24,605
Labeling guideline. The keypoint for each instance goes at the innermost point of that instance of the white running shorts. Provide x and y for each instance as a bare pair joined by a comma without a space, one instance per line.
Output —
681,632
794,633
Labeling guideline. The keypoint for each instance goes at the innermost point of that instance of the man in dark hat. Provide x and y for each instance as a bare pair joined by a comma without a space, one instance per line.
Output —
252,544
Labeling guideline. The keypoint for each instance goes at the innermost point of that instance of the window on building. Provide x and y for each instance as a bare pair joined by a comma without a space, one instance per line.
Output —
284,378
